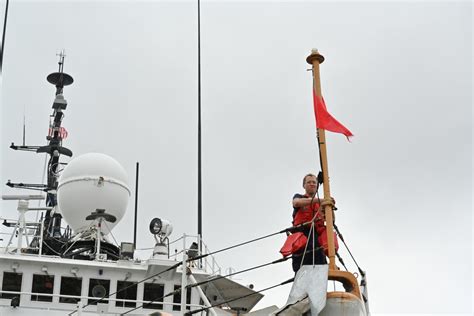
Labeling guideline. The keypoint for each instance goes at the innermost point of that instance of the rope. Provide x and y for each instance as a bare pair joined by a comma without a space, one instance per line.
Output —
178,290
317,193
289,229
312,227
348,250
341,261
306,246
110,231
238,272
3,37
312,224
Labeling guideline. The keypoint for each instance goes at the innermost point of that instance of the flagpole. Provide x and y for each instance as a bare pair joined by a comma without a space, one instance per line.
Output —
315,59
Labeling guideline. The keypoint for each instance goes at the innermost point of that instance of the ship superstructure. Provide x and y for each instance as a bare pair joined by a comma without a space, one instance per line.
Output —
69,263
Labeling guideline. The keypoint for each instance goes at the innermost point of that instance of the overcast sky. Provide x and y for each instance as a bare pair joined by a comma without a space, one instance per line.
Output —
398,75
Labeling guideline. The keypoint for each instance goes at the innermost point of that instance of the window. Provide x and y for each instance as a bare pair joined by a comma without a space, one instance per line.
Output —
11,282
177,298
128,291
98,288
70,286
42,283
153,292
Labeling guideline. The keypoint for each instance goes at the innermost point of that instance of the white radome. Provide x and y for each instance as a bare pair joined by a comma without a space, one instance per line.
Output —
89,182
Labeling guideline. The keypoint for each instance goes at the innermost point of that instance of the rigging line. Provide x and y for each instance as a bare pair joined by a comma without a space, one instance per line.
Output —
240,297
290,229
127,287
2,48
317,131
307,243
350,253
341,261
238,272
312,229
308,251
178,290
110,231
314,238
312,226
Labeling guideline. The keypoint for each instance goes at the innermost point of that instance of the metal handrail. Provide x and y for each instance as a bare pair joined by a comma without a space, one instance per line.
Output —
210,264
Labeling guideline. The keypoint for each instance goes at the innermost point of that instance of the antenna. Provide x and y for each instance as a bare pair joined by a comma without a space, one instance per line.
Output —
136,207
24,125
199,130
61,55
60,79
2,48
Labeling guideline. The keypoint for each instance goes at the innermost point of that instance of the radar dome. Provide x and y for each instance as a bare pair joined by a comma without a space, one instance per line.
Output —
90,182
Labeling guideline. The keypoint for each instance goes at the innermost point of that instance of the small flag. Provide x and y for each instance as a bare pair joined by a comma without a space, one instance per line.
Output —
325,121
62,132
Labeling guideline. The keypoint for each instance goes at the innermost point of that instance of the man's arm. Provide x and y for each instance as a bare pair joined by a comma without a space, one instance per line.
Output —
304,201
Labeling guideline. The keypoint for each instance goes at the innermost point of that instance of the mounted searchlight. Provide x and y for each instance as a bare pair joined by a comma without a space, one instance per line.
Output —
161,227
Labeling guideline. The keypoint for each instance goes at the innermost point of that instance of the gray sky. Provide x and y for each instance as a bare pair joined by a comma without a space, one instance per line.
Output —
399,75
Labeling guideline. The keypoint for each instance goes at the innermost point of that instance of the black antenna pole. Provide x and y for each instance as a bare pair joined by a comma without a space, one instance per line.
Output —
24,126
54,148
2,48
199,129
136,209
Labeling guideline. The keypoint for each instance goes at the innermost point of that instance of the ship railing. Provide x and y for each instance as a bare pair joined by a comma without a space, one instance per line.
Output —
49,305
185,242
23,229
192,246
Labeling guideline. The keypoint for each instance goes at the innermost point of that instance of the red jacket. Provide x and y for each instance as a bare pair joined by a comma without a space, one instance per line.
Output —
306,213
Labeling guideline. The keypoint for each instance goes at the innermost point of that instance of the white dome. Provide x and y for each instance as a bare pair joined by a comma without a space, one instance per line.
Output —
90,182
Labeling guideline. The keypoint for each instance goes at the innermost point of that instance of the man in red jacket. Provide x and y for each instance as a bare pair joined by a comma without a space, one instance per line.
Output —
306,207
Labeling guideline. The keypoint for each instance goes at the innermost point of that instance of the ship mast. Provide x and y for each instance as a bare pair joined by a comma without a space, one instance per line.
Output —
52,219
347,279
315,59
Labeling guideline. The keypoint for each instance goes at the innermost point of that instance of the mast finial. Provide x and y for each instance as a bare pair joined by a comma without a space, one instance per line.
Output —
315,55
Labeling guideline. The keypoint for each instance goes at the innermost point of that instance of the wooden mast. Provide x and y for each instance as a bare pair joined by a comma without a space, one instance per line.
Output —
347,279
315,59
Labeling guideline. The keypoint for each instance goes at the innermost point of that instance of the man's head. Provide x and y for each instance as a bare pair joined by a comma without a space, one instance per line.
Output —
310,183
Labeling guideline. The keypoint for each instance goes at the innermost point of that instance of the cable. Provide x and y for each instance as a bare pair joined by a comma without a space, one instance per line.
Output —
307,243
110,231
3,37
348,250
240,297
238,272
289,229
312,228
207,281
341,261
214,279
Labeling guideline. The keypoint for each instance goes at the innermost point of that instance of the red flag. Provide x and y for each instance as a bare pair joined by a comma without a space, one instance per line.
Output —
325,121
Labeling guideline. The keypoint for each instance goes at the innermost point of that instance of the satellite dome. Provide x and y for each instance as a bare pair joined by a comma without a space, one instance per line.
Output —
89,183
